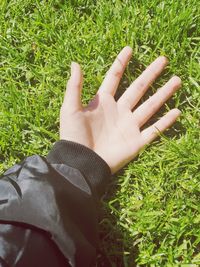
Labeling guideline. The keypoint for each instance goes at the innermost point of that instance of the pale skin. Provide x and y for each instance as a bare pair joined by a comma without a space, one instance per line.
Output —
112,128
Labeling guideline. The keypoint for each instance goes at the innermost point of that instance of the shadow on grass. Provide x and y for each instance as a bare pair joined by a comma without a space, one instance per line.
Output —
113,243
117,250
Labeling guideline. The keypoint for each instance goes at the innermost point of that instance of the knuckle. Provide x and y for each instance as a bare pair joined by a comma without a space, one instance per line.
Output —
140,84
128,103
154,74
116,73
152,104
74,83
77,84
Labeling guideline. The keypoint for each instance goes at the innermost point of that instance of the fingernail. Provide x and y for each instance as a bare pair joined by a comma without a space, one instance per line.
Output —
178,112
166,60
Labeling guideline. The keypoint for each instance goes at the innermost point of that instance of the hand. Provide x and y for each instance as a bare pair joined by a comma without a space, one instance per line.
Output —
111,128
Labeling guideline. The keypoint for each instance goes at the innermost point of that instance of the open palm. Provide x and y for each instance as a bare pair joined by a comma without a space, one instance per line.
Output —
110,128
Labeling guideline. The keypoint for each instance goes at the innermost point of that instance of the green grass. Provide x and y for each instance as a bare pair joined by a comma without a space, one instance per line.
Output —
151,212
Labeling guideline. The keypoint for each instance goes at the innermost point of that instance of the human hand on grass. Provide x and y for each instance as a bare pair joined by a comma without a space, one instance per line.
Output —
109,127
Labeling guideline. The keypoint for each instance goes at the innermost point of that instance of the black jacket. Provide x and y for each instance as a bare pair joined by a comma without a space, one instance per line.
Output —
48,208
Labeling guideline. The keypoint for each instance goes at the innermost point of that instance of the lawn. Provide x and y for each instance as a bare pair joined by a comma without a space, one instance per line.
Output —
151,212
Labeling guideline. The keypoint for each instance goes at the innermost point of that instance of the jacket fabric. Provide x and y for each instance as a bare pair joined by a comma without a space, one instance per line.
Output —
49,208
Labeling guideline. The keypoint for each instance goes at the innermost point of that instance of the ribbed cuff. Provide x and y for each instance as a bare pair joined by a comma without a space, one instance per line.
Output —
90,164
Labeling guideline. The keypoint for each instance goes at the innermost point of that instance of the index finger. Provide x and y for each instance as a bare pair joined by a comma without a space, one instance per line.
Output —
114,74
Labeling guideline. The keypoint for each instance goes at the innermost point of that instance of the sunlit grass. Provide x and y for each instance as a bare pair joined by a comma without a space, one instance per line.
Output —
152,212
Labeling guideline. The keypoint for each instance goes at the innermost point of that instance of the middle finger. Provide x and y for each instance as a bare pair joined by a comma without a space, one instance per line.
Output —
137,89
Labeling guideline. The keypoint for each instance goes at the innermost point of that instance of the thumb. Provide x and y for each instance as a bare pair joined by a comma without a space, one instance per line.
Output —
72,99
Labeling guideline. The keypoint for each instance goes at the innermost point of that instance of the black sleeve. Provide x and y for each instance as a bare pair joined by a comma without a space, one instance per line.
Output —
54,206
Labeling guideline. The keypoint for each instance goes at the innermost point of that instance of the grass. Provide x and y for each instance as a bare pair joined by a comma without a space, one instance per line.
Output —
151,213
